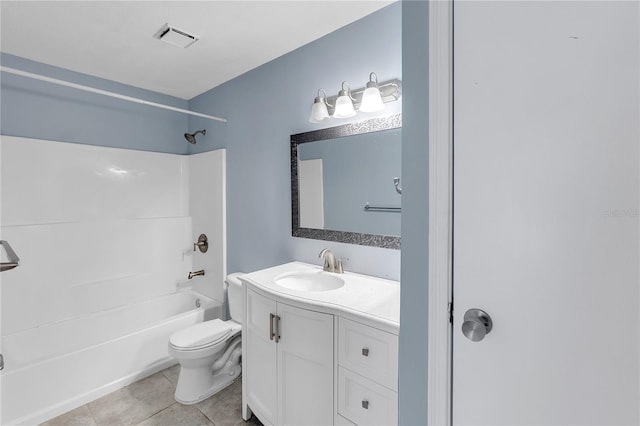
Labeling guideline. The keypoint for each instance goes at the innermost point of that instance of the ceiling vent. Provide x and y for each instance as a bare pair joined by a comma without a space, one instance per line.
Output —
177,37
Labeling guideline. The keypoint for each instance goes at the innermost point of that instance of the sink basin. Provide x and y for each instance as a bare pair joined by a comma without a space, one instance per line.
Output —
309,281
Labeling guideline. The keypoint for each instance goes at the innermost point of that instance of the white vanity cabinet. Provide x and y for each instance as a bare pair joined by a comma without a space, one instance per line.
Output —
320,354
288,362
367,374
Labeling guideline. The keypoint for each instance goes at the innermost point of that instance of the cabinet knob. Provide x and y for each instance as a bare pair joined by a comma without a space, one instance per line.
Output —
365,352
365,404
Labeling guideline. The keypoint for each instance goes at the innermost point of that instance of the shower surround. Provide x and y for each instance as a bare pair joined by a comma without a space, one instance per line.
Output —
103,234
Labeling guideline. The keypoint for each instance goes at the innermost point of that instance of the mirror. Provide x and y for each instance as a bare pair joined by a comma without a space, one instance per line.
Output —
342,183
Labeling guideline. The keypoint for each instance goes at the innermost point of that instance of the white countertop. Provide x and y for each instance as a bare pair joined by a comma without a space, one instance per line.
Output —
369,300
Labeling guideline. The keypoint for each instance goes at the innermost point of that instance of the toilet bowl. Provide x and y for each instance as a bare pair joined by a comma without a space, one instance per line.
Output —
209,352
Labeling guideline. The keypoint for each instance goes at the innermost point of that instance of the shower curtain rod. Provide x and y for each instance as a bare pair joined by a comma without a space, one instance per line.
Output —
106,93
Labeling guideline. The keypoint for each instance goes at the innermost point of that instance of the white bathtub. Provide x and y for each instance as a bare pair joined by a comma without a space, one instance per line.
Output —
52,369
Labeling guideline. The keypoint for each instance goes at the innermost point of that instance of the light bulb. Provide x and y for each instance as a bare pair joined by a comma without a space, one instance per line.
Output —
371,98
344,105
319,111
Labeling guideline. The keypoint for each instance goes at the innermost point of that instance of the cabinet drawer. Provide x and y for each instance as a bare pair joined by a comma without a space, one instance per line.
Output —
365,402
368,351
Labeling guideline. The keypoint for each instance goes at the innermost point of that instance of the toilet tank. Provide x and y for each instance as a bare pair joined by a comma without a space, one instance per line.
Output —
234,297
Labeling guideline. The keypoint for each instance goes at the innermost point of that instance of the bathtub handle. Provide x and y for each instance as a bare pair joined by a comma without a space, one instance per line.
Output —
202,244
13,258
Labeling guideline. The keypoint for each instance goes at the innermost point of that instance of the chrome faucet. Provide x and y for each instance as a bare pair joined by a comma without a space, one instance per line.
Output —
196,273
331,264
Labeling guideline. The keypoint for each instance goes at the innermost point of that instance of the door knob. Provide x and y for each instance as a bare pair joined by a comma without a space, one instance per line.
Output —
477,324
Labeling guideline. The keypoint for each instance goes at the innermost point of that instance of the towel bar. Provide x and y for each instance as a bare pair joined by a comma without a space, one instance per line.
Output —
369,208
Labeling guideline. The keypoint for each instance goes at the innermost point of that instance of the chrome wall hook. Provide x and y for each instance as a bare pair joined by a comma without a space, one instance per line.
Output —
396,183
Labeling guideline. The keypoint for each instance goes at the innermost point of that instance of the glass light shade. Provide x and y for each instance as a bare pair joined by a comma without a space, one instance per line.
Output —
319,112
371,100
344,107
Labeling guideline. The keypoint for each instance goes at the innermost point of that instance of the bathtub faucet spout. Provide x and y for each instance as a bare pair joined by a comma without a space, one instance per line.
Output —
196,273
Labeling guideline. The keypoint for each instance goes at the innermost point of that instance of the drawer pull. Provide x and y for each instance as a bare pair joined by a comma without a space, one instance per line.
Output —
365,352
365,404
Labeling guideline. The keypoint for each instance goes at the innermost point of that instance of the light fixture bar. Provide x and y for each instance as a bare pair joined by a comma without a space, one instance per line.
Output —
390,91
106,93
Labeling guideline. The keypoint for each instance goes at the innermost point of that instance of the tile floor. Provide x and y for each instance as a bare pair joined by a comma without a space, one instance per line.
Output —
150,402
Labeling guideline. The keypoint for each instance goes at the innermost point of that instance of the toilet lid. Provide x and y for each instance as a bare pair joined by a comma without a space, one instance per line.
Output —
202,334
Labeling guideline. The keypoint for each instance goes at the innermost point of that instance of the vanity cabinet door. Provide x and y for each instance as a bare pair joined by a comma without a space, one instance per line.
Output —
305,367
261,357
289,363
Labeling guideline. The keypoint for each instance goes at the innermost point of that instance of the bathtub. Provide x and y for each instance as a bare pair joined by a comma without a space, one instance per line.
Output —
52,369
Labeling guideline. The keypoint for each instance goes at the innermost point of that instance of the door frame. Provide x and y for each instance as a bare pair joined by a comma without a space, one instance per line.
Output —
440,287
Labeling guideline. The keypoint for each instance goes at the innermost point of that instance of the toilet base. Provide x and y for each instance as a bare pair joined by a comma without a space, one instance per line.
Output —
197,382
217,382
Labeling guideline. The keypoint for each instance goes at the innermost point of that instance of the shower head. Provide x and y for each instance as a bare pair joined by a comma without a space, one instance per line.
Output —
191,137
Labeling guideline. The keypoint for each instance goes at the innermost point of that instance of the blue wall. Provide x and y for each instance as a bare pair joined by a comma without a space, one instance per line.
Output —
414,315
268,104
41,110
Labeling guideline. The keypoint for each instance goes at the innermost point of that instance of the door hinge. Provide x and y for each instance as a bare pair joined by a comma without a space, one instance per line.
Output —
450,312
1,362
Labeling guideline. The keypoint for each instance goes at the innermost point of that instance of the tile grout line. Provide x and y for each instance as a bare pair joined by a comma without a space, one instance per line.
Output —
165,408
155,414
95,422
205,415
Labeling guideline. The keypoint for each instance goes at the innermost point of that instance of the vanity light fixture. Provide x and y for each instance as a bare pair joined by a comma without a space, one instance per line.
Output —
319,110
371,98
344,103
347,102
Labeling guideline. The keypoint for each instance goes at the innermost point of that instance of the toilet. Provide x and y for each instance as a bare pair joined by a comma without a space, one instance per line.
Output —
210,352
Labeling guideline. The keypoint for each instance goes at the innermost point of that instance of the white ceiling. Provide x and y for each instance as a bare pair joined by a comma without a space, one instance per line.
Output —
114,39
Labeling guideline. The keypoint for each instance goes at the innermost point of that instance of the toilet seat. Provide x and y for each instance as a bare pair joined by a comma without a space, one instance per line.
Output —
201,335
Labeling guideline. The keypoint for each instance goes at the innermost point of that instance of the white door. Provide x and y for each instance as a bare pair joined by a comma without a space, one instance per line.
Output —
546,235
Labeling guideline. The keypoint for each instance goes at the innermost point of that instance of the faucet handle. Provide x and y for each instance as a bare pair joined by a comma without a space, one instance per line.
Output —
202,244
338,268
329,260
